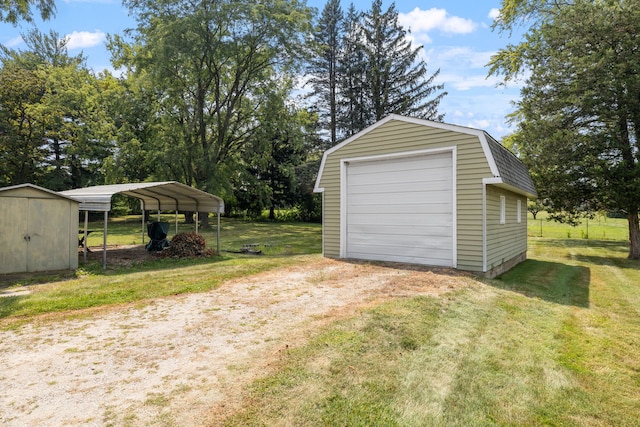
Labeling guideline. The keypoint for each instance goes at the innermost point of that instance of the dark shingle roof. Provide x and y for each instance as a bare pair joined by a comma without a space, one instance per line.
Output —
512,171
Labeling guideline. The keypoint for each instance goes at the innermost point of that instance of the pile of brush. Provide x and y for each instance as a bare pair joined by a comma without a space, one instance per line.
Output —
188,245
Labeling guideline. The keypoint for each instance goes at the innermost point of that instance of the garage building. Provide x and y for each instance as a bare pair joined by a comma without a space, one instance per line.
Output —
422,192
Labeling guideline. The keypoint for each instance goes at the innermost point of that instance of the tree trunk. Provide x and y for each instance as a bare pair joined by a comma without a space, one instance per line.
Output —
634,235
204,219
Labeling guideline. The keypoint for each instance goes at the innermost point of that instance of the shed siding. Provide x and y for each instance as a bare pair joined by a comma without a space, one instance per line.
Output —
40,229
508,240
396,137
13,252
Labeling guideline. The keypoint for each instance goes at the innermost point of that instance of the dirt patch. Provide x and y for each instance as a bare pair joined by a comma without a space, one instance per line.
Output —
119,255
186,359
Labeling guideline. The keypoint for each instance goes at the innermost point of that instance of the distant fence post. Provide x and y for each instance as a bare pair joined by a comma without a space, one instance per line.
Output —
540,227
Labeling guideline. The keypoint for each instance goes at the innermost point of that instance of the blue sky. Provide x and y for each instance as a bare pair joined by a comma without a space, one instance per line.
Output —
456,36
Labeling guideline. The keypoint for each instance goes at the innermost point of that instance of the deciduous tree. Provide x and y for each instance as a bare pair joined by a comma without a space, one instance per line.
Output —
55,132
15,10
579,115
212,64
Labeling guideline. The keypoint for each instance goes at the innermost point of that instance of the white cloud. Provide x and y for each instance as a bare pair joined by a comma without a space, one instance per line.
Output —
467,82
470,82
480,123
83,39
494,13
463,57
14,42
483,108
423,21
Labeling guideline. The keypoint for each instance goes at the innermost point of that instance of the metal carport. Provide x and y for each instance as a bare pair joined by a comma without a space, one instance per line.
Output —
160,196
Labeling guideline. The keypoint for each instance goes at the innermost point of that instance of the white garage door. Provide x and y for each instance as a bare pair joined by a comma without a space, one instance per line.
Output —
401,209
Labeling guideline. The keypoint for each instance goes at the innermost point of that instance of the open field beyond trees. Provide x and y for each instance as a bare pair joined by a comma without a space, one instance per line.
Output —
288,338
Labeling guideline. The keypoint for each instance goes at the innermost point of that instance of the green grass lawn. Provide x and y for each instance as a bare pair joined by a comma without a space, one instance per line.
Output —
555,341
270,237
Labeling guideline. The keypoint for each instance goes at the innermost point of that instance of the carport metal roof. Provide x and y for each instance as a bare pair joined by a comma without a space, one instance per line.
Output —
160,196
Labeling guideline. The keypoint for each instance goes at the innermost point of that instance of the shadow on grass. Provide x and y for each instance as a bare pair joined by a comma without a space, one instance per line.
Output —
551,281
603,252
8,305
613,245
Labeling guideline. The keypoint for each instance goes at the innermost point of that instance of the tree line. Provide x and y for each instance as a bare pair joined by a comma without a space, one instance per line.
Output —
209,96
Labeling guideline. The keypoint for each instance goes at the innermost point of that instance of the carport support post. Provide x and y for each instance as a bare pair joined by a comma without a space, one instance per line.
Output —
142,209
218,235
104,247
84,241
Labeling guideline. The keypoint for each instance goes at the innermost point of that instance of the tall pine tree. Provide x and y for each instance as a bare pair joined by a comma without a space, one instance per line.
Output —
378,72
323,67
398,79
352,84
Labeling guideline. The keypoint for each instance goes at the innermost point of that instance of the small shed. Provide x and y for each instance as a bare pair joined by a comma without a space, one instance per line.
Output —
422,192
39,230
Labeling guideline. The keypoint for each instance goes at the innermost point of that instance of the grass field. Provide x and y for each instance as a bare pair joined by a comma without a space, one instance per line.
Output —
598,228
276,238
555,341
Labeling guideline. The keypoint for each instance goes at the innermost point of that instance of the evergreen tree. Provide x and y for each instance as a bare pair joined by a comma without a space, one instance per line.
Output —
381,72
398,79
352,83
267,171
323,66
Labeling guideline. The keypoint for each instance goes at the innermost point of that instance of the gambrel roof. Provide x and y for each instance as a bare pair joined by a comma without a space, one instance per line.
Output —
507,170
512,171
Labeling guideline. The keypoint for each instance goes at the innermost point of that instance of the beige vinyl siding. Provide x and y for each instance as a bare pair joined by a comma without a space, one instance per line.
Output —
508,240
396,137
40,230
472,167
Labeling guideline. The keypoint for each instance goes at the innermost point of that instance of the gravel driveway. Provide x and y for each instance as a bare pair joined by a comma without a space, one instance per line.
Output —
184,360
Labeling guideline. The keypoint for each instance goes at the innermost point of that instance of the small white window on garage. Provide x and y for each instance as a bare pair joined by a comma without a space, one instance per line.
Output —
503,209
519,212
